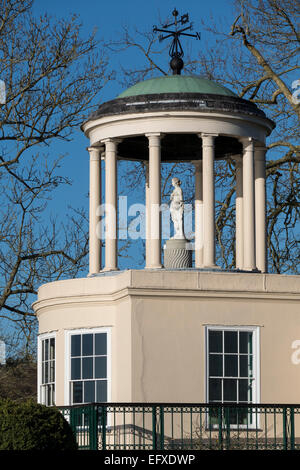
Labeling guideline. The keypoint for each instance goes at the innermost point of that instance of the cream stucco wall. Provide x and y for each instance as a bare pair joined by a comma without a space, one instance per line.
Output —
169,345
158,320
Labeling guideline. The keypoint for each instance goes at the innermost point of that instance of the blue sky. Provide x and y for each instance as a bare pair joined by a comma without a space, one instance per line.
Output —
108,17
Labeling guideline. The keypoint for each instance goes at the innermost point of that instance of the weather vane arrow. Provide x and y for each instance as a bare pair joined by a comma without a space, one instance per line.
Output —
176,52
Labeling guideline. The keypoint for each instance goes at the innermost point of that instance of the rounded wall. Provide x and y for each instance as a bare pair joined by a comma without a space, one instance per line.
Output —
158,322
86,306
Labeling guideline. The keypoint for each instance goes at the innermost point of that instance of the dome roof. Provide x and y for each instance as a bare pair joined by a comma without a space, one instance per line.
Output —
167,98
176,84
177,93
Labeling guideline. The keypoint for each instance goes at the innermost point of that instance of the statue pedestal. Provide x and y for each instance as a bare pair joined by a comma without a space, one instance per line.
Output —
177,254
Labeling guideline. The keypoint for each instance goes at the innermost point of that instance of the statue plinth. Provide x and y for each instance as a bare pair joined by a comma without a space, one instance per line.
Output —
177,254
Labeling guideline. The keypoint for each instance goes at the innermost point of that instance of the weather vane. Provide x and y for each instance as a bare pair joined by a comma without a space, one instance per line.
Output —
176,51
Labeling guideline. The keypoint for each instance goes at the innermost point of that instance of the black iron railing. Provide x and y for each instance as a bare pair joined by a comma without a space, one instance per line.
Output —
139,426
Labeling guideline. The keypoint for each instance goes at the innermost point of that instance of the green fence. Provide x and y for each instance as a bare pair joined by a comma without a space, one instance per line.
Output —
137,426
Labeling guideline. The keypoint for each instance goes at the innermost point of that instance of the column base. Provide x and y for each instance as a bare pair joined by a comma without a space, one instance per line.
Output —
251,270
93,274
160,266
105,270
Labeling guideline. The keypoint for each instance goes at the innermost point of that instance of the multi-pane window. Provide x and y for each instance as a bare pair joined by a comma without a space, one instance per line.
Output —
231,359
47,382
88,367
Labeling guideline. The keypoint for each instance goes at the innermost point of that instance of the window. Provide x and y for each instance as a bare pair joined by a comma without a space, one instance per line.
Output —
47,370
88,366
232,376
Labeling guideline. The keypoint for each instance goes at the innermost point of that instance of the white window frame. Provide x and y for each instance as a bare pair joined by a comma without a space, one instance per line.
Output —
255,330
82,331
41,338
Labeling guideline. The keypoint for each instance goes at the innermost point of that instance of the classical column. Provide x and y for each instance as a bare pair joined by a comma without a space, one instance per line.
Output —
198,214
239,232
94,216
153,259
248,204
111,255
208,151
147,215
260,208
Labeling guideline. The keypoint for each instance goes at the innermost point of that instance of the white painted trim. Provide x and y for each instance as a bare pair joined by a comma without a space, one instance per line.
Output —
256,358
40,339
174,121
67,378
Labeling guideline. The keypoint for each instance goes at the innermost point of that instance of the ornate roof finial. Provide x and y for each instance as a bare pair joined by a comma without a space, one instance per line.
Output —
176,51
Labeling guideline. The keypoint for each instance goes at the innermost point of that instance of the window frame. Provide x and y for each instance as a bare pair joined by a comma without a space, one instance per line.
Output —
68,380
255,330
41,338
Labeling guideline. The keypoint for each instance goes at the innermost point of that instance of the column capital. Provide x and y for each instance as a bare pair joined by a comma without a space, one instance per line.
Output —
111,140
94,147
111,145
208,140
154,138
95,152
247,141
208,134
154,134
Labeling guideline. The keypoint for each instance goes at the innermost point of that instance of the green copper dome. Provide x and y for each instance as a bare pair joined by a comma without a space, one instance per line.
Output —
176,84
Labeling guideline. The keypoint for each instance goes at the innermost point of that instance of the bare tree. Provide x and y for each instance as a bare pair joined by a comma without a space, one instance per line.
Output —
262,67
52,76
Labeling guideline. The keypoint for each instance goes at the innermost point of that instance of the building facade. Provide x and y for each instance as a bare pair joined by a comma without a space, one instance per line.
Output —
182,335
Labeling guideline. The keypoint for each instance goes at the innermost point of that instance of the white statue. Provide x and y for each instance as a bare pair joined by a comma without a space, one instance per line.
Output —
176,209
